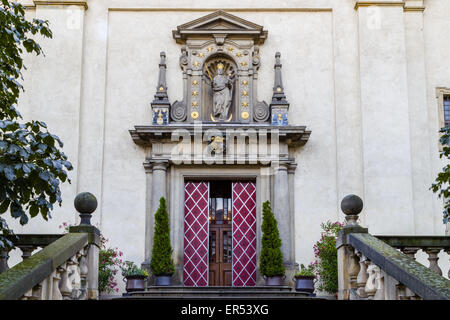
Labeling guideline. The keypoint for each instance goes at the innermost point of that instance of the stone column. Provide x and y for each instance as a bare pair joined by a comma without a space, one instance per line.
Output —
282,212
156,171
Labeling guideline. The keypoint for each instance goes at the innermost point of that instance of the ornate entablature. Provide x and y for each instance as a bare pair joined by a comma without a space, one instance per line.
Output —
219,63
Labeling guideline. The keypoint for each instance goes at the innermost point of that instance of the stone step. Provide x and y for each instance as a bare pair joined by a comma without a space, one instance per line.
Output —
218,293
222,288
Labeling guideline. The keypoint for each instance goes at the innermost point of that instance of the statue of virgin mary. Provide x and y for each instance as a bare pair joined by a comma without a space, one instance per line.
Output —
222,87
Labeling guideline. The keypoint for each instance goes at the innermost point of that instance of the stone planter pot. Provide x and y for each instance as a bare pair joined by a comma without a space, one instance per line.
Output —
274,281
135,283
163,280
304,283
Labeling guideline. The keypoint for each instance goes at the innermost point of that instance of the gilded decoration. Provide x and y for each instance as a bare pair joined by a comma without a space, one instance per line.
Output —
220,61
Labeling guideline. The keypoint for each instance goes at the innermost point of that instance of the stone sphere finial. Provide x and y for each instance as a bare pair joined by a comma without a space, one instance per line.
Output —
85,203
352,206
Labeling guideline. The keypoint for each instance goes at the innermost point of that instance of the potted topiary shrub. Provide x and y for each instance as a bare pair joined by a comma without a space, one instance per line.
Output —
304,279
133,276
161,264
271,258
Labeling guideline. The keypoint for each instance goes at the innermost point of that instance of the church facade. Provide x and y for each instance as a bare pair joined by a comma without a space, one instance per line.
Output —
218,107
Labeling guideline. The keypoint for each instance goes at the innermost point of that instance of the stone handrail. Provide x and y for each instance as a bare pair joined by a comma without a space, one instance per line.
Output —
27,243
66,268
371,269
431,245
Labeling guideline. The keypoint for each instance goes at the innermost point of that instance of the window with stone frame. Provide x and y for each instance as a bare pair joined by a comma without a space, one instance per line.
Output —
443,97
446,105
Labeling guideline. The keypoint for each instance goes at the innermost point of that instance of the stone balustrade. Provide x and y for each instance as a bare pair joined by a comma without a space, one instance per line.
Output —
65,269
384,268
433,246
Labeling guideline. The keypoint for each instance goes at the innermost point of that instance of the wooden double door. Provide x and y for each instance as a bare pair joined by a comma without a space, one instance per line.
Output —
220,254
220,234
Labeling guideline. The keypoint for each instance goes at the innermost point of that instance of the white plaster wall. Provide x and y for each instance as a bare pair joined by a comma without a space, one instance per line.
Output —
97,82
437,64
52,94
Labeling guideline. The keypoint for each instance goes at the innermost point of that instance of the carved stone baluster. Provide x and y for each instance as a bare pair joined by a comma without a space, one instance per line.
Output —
401,292
379,295
26,251
371,284
74,276
353,268
433,258
4,256
64,285
410,252
413,296
56,278
447,251
28,295
83,274
361,279
37,292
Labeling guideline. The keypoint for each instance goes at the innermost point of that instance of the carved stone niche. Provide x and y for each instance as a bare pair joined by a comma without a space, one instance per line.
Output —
220,40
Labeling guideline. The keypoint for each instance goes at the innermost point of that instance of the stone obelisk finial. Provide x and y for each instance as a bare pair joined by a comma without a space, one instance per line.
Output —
161,89
161,104
279,106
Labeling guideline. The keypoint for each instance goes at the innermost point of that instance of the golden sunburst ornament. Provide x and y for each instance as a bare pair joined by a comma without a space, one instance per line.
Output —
194,93
195,103
245,115
195,82
244,82
209,49
244,93
243,63
238,54
196,64
194,114
230,49
201,54
245,104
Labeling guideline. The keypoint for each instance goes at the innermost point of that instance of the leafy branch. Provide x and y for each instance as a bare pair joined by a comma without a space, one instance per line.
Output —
441,185
32,164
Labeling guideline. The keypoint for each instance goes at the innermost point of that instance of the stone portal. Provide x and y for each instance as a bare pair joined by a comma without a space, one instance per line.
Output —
220,130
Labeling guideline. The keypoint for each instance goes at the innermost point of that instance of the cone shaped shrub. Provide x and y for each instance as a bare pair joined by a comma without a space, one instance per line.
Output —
271,258
162,263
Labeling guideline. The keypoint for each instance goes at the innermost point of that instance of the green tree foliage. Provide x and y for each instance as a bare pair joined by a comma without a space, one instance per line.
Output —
32,164
162,263
271,258
442,182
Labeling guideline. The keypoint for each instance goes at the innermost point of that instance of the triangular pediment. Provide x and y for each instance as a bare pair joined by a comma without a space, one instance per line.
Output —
219,22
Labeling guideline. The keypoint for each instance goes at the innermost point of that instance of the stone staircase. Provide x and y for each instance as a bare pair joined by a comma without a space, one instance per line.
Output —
218,293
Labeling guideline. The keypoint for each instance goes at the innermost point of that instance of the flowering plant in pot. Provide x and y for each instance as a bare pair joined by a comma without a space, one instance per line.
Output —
271,258
325,252
110,261
161,264
133,276
304,279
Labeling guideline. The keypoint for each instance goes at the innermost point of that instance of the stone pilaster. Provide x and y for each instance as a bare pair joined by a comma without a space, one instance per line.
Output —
385,115
156,176
282,211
